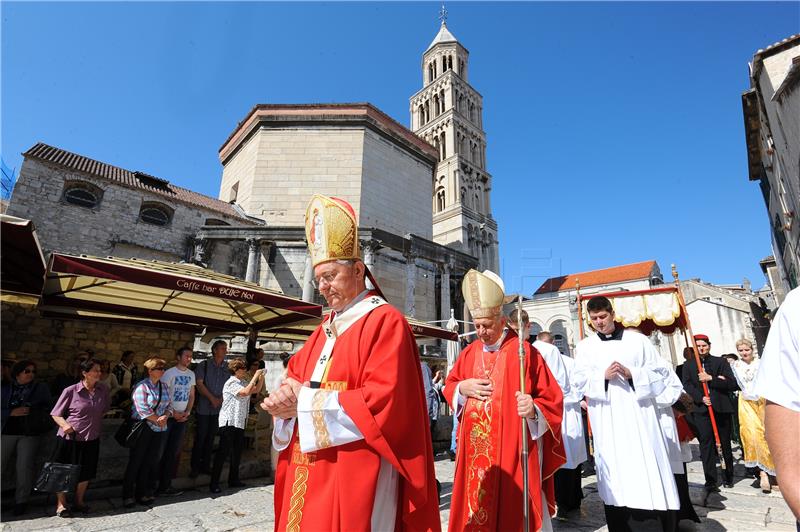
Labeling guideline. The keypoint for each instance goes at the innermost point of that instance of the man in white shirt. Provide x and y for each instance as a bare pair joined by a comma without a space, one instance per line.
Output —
778,381
180,381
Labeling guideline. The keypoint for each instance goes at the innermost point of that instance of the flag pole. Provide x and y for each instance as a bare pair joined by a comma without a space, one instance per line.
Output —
682,304
524,452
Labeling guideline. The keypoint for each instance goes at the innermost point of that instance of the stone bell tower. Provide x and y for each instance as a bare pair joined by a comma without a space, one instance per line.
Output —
447,112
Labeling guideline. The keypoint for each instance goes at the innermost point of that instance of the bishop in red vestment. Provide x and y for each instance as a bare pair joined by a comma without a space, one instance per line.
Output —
351,416
483,388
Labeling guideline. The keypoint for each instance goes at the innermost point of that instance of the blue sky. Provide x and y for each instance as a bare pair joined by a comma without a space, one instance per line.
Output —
615,130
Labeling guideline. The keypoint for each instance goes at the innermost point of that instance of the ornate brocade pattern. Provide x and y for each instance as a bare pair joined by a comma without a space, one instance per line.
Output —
302,462
483,448
321,434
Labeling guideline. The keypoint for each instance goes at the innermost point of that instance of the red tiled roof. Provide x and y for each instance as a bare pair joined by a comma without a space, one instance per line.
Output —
627,272
130,179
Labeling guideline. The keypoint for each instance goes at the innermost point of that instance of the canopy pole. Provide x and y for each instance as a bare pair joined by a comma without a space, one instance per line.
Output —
699,365
580,308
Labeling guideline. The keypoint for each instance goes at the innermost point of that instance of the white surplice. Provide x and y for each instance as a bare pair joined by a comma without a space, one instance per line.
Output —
666,417
572,422
631,456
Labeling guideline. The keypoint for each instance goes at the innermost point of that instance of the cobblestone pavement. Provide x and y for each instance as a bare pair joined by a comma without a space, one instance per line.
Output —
743,508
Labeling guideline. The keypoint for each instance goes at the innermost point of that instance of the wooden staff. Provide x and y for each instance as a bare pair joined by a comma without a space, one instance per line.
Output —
682,304
525,510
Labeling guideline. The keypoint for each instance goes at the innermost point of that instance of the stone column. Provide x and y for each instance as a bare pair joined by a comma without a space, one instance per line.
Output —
201,251
308,277
445,290
265,248
251,275
370,248
411,279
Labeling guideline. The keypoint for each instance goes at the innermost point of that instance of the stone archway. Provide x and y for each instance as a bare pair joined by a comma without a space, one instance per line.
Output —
558,328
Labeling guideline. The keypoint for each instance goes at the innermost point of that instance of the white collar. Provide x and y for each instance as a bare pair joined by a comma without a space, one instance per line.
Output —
495,346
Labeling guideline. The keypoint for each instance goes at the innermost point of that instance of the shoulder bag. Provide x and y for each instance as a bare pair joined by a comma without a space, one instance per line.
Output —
131,429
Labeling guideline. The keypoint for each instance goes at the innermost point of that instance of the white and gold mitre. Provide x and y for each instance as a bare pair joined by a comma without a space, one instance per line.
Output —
331,230
484,293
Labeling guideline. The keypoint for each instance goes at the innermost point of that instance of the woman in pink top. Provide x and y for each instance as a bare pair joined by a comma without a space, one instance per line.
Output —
78,414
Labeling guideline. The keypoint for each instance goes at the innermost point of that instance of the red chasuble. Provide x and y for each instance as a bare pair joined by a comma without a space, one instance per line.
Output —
487,489
375,366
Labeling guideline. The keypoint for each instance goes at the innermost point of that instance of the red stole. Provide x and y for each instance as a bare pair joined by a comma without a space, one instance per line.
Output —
684,432
375,367
487,489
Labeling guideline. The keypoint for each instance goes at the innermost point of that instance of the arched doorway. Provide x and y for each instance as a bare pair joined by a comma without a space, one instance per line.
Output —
560,337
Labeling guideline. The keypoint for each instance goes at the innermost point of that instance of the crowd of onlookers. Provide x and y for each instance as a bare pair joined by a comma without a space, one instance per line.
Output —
163,395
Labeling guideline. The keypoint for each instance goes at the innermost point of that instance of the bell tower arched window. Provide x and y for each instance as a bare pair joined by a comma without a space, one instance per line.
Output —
440,199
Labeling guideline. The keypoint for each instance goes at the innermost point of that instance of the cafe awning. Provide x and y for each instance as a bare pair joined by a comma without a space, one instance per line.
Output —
21,260
162,294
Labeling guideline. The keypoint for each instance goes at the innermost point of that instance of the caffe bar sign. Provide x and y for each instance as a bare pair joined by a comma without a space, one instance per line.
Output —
224,292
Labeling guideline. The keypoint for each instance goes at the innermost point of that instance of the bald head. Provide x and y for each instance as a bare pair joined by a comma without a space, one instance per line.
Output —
545,336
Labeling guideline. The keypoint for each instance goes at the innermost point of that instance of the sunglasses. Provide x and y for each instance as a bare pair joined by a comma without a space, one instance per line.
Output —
159,368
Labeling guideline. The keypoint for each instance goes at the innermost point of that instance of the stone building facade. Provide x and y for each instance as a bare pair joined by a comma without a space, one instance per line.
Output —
553,307
447,112
280,155
80,205
724,313
771,109
272,163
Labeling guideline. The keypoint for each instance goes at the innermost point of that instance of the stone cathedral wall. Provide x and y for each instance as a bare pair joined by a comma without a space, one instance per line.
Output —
112,227
53,343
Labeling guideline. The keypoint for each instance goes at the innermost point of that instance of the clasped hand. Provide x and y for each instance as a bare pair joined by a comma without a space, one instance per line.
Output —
617,369
480,389
282,403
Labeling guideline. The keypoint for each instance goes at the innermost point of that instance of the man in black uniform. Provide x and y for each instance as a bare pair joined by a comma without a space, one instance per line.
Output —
717,374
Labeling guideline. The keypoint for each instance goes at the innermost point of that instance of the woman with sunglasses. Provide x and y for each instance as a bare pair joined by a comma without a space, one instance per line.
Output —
150,402
79,414
233,420
25,409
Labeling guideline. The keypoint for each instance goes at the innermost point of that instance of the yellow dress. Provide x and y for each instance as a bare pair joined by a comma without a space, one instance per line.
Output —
751,419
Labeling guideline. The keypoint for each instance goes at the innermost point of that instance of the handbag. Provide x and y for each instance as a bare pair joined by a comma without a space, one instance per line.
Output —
131,430
57,477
